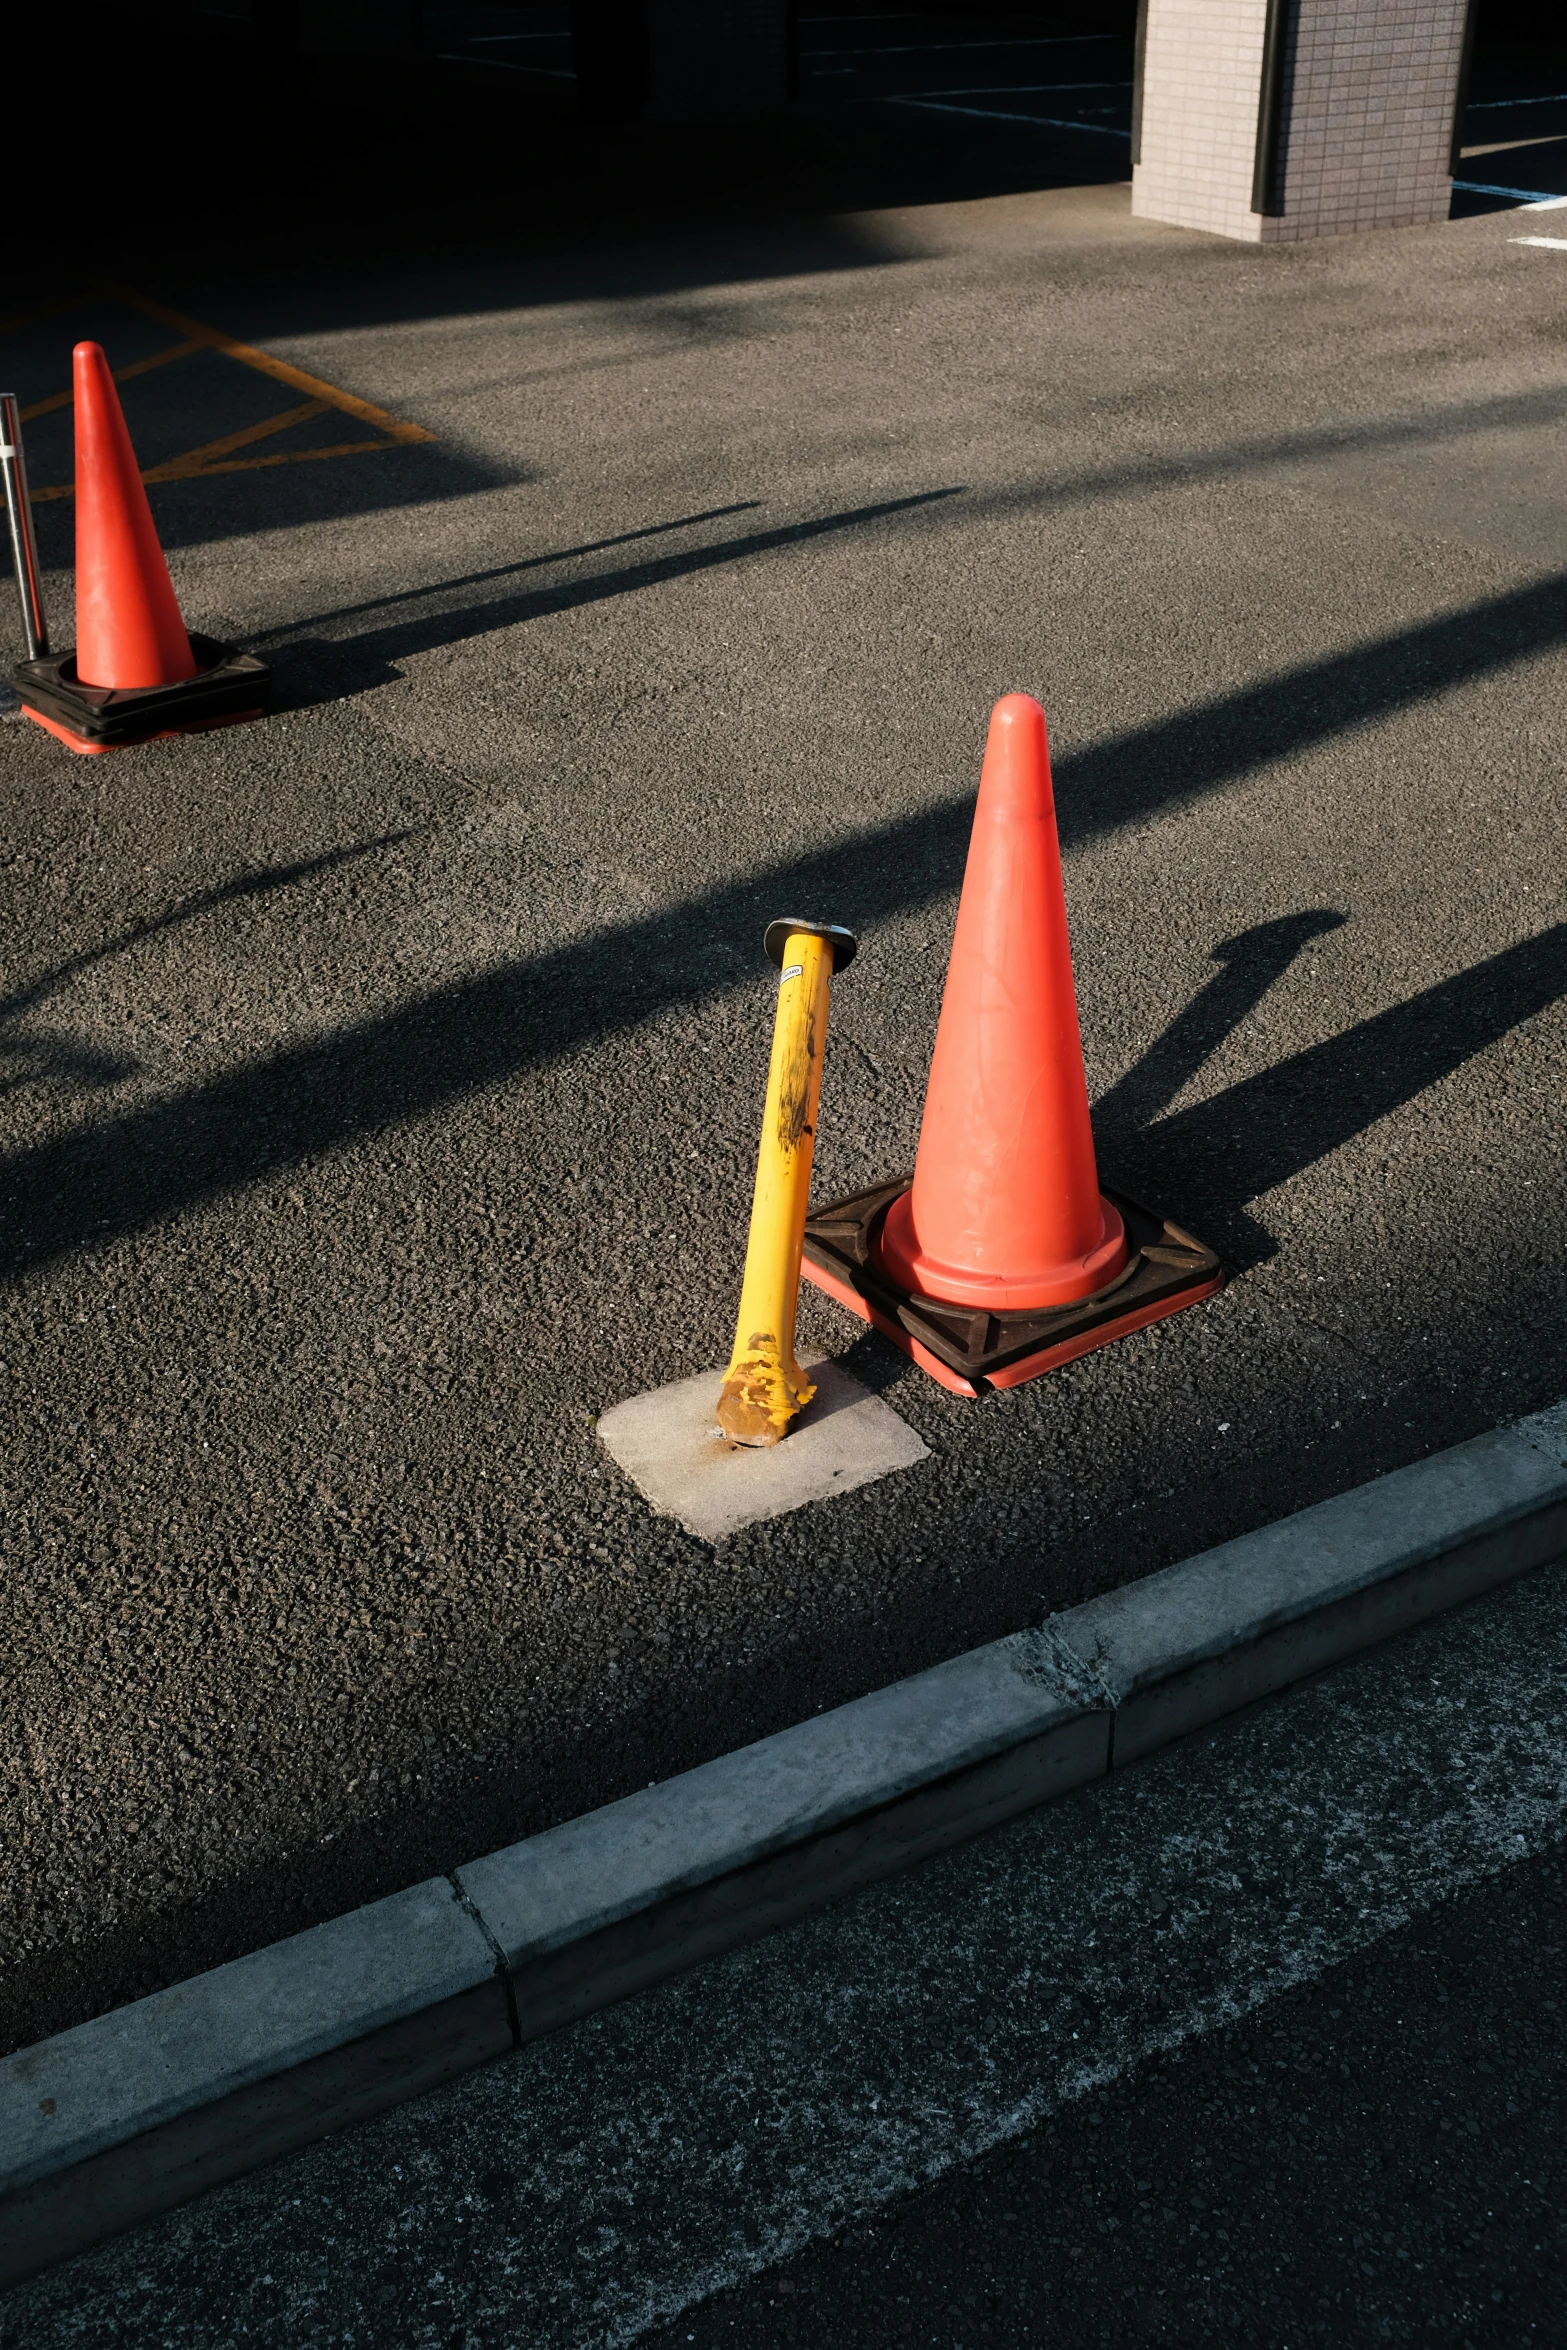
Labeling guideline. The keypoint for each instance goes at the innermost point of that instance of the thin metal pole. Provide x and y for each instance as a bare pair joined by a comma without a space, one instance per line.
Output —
24,547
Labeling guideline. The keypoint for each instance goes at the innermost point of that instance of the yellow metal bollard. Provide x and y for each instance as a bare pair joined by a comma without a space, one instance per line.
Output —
764,1386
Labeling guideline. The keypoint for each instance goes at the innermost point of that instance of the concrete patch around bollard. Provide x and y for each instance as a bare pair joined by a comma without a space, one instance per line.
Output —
139,2110
670,1445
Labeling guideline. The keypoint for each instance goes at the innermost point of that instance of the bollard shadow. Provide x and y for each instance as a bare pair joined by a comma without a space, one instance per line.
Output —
1249,966
1221,1154
321,668
468,579
869,1358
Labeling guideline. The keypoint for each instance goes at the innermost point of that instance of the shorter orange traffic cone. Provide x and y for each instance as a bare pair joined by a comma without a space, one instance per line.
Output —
1002,1257
136,673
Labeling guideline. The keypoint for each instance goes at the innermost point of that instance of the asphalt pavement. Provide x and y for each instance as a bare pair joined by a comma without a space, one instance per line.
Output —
1260,2040
382,1080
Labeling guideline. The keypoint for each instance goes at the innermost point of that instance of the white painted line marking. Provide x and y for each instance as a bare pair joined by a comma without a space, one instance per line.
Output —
1529,196
1557,244
1485,105
1042,122
553,73
1512,145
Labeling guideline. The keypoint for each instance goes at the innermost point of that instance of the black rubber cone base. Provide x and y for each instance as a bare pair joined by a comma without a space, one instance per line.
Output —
229,685
968,1348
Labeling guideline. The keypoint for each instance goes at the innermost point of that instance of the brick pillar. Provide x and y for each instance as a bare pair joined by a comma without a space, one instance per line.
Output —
1277,119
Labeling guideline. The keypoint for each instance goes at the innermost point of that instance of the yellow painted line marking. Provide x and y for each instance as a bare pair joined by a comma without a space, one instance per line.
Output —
195,460
122,375
284,457
20,318
279,369
238,464
216,456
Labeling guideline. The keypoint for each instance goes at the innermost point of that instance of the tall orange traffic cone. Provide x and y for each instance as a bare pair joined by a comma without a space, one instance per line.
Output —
1003,1257
136,673
1005,1208
128,626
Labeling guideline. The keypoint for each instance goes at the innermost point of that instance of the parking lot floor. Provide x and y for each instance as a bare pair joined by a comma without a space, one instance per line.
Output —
381,1080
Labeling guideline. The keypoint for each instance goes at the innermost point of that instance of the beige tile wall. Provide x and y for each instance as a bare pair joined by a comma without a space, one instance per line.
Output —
1369,105
1202,72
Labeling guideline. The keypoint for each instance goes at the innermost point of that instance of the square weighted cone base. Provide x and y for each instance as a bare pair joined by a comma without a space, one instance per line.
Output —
228,687
970,1348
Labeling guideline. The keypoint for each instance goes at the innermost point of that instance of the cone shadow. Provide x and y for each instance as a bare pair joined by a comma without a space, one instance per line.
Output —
1250,964
1223,1153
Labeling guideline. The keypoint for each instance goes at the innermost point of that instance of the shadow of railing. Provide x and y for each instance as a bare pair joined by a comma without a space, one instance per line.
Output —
155,1161
28,1054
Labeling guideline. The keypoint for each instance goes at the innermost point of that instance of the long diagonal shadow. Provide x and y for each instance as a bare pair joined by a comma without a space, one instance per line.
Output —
444,587
1215,742
1456,419
207,901
152,1163
1250,965
29,1053
359,661
1452,420
1261,1132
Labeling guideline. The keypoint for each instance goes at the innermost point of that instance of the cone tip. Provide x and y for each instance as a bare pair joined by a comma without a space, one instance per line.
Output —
1016,773
1016,709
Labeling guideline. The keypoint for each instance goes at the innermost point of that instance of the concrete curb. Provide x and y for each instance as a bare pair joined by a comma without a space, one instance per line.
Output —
126,2116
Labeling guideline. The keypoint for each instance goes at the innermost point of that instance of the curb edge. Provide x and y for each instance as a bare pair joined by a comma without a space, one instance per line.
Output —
126,2116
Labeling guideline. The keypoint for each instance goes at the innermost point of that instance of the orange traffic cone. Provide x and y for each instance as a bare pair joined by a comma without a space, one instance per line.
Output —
136,673
128,626
1005,1208
1003,1257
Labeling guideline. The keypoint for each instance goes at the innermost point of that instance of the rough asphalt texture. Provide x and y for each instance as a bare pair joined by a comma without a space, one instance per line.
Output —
1260,2039
382,1080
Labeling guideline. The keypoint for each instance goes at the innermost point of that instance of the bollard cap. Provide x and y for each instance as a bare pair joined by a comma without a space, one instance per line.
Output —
845,946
